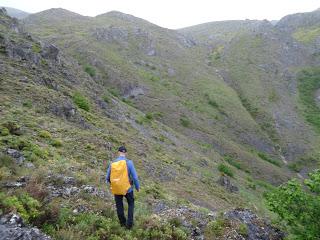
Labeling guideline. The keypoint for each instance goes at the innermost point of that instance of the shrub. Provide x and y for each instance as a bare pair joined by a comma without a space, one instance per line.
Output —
26,206
13,128
36,190
56,142
81,101
106,98
36,48
267,158
299,206
27,104
232,161
155,191
4,131
243,229
215,228
149,116
6,160
115,92
90,70
45,134
33,152
225,169
144,119
254,111
185,121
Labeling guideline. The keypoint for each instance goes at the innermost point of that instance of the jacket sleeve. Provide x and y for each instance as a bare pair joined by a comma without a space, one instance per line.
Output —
108,174
134,175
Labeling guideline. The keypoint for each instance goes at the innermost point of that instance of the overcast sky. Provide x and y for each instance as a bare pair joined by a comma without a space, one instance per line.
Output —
175,13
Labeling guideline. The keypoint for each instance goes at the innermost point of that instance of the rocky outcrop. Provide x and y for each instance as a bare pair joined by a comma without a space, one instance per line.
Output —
16,155
253,227
111,34
257,228
226,183
13,227
66,187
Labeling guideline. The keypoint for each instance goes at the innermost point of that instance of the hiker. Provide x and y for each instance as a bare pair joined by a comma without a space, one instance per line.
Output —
121,175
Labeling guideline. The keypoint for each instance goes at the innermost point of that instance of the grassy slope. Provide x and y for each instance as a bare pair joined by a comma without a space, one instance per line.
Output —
162,156
226,125
253,61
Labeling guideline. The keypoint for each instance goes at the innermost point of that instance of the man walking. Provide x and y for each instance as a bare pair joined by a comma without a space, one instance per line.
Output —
121,175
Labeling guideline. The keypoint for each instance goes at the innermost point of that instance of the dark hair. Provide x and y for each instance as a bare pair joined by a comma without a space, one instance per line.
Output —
122,149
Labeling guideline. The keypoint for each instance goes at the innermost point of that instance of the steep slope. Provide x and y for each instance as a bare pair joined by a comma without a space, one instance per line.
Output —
58,127
165,74
261,62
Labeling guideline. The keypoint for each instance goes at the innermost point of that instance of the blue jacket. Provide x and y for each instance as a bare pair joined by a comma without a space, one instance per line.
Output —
133,177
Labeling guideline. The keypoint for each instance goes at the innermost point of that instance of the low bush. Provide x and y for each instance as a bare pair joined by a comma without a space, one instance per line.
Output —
45,134
27,104
215,229
90,70
225,170
184,121
4,131
13,128
267,158
81,101
243,229
27,207
56,142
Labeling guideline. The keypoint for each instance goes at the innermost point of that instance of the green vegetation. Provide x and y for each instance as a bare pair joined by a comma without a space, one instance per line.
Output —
267,158
81,101
225,169
36,48
299,206
254,111
26,206
4,131
90,70
45,134
309,82
307,35
243,229
56,143
184,121
106,226
27,104
114,91
233,162
215,229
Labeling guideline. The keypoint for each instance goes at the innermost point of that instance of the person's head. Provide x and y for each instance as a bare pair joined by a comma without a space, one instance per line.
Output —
122,151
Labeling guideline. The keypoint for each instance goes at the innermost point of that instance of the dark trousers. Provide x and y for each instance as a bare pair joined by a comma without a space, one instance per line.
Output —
120,210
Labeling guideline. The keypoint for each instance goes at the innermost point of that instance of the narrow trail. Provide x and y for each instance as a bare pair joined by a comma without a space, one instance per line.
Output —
286,163
284,160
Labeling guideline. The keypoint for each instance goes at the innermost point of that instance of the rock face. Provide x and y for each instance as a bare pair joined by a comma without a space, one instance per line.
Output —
226,183
12,227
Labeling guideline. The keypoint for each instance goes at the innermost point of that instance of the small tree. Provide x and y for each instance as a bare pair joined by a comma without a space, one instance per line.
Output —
299,206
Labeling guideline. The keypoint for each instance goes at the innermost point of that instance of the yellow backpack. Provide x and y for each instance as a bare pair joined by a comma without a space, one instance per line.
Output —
119,178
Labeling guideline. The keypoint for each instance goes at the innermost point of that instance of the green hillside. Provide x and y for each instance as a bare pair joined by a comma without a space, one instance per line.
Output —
196,106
